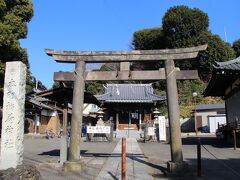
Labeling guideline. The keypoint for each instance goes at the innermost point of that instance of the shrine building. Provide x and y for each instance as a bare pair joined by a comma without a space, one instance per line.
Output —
129,105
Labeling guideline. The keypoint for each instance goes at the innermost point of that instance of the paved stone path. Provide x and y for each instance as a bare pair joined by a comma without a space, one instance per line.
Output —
137,164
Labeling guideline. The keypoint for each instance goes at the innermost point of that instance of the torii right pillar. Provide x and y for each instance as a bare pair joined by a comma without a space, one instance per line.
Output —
176,164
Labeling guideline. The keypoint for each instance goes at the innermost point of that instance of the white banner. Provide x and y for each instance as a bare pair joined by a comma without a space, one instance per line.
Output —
98,129
162,128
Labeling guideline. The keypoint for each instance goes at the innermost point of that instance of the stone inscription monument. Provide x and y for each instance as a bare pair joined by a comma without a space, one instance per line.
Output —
13,115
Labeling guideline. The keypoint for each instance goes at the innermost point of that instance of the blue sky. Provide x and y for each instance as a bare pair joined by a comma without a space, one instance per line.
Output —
108,25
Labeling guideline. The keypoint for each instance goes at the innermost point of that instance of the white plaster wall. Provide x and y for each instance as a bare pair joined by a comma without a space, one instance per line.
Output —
205,116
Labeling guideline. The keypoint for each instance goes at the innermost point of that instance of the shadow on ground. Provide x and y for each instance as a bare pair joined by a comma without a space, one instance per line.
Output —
112,175
56,152
152,165
213,141
219,160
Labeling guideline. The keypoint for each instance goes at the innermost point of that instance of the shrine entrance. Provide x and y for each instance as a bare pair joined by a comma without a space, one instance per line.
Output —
125,121
170,73
129,118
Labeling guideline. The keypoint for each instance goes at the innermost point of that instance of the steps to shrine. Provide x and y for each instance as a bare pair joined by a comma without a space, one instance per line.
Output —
127,126
131,133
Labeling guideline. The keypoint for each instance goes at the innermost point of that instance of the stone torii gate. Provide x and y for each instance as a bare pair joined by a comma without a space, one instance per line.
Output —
170,73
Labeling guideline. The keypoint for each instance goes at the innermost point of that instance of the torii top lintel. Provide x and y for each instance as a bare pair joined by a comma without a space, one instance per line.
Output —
124,56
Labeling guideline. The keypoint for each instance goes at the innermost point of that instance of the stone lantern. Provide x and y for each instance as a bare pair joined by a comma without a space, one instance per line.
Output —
195,111
155,115
156,124
100,114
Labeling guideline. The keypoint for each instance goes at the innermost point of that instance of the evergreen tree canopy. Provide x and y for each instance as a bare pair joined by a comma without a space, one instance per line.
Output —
181,24
146,39
14,16
185,27
217,50
94,88
236,47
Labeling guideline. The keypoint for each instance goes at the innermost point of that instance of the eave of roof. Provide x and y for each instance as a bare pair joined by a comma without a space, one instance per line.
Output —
223,75
219,83
37,103
233,64
65,95
210,107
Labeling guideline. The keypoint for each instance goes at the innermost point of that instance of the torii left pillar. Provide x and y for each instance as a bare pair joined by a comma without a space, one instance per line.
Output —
74,163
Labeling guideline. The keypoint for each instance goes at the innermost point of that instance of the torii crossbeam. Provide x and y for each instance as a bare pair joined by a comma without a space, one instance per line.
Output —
170,73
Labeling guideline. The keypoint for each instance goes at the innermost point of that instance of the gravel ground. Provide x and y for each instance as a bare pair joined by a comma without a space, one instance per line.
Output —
219,160
44,154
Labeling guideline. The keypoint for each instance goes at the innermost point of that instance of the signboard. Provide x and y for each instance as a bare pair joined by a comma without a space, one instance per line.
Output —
162,128
98,129
151,131
214,121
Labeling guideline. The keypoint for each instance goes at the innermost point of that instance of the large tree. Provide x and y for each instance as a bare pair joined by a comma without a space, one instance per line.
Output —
14,16
217,50
236,47
145,39
182,25
185,27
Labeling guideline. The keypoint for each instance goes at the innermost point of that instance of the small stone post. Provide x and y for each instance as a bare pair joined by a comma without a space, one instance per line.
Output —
65,119
13,115
64,138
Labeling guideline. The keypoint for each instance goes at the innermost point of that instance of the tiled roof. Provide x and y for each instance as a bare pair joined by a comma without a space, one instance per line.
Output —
223,75
38,101
209,106
130,93
228,65
64,95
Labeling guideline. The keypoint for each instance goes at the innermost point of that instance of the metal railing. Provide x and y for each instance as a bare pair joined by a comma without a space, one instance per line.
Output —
230,125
